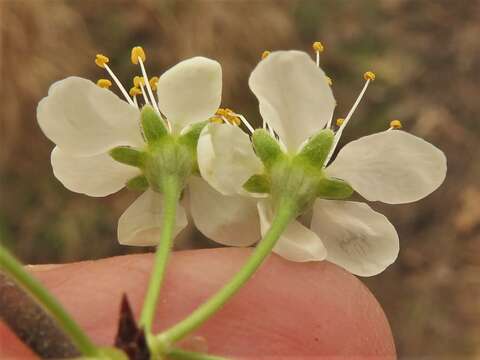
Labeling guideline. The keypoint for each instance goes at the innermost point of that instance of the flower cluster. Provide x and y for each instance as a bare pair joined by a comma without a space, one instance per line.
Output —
235,181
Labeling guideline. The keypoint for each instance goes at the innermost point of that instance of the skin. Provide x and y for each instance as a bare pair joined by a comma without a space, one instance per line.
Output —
287,311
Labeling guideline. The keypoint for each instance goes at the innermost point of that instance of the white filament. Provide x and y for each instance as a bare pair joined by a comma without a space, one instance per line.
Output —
119,84
245,122
147,84
345,122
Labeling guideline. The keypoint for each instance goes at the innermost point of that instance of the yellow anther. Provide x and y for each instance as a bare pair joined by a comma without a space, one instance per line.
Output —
134,91
369,76
104,83
154,82
395,124
318,46
101,60
227,115
339,121
137,52
221,112
232,117
265,54
216,120
138,81
329,80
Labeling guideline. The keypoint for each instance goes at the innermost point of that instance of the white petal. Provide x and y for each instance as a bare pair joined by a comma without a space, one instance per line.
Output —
226,158
297,243
294,96
84,119
190,91
141,223
228,220
392,166
97,175
357,238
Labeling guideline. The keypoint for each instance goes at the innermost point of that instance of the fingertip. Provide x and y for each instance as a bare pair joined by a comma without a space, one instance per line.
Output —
287,309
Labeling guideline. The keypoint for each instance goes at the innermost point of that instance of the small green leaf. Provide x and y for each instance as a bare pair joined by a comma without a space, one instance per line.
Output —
334,189
316,150
266,147
153,126
128,156
258,184
190,138
138,183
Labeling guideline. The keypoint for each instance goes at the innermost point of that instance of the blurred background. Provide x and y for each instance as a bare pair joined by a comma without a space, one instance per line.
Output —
426,55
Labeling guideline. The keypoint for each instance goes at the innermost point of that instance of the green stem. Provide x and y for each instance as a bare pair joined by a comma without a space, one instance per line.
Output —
178,354
285,213
171,195
15,269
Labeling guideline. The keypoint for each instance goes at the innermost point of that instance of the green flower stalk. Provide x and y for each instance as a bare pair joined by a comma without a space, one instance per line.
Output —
15,270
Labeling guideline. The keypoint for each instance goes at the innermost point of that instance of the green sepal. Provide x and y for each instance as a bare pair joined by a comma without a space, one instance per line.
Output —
128,156
152,124
316,150
138,183
258,184
266,147
190,138
333,189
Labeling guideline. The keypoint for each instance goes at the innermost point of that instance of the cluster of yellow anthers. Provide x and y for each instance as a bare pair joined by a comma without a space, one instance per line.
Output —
141,84
226,115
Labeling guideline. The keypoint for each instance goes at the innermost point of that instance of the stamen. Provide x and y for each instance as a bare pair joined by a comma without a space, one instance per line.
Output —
220,112
137,53
265,54
329,80
138,81
246,123
339,121
318,48
232,117
138,57
368,76
134,91
216,120
395,124
154,82
101,60
145,98
104,83
329,123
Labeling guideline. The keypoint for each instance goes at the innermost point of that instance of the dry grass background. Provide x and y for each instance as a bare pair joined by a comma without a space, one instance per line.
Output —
427,58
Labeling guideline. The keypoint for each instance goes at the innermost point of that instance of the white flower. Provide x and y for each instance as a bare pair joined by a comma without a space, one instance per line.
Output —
391,166
86,121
